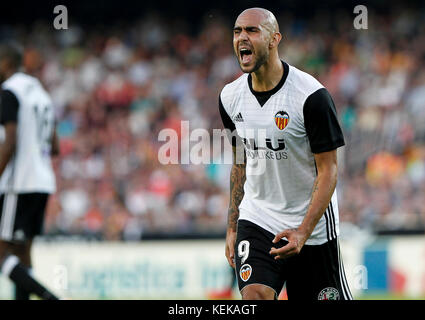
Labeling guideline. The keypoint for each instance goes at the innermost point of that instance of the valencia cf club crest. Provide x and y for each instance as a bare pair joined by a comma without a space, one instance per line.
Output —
328,293
281,119
245,272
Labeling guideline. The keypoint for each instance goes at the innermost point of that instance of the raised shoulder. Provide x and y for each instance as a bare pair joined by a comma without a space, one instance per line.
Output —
19,82
302,83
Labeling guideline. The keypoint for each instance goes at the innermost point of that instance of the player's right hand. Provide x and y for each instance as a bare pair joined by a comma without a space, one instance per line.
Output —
230,247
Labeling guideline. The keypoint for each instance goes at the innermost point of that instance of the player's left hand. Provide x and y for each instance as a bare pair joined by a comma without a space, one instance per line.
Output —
296,240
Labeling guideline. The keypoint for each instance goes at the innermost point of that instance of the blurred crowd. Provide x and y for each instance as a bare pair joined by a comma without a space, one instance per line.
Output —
116,87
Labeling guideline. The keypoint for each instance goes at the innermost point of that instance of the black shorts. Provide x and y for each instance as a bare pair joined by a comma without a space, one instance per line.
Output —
316,273
21,215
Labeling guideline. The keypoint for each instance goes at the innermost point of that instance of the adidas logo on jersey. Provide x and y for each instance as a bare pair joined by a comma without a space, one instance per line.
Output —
238,118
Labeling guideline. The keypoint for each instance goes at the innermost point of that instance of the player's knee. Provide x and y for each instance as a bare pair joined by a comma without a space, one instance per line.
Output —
257,292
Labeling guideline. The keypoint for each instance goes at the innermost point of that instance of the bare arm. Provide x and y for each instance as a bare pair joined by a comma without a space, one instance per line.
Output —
323,188
8,148
55,143
237,181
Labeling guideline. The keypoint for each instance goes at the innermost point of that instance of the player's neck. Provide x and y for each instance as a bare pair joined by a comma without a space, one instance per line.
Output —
9,73
268,75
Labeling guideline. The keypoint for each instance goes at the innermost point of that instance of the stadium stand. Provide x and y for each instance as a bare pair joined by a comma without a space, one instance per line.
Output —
115,87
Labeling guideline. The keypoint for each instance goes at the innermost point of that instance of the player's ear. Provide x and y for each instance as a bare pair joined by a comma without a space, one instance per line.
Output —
275,40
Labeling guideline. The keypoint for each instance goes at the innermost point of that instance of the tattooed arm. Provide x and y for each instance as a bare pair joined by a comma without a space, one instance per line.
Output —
237,181
323,188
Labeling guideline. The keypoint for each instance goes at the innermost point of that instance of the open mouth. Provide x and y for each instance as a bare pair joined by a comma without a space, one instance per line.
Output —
246,55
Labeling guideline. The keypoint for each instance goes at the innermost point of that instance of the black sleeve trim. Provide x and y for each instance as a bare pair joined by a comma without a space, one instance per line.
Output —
9,107
228,124
321,122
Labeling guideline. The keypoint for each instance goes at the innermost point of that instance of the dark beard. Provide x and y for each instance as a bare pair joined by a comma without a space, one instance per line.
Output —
262,59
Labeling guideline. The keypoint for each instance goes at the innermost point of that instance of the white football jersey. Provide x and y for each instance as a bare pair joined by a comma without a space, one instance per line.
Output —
30,169
280,130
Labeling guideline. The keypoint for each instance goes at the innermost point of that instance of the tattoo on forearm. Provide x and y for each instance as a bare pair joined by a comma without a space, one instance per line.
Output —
237,181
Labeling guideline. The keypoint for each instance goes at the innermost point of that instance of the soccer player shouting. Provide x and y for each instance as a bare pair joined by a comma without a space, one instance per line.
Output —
283,220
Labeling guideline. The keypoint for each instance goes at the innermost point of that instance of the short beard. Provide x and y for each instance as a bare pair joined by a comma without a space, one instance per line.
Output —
262,58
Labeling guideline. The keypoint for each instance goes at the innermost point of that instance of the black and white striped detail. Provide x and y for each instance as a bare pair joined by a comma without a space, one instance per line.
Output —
331,226
329,214
346,293
8,215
